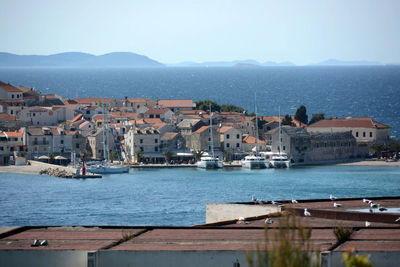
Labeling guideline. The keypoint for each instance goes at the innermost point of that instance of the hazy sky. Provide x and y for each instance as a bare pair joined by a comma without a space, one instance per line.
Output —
171,31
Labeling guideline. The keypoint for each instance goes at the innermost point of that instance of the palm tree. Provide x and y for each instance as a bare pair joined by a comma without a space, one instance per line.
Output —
138,155
227,156
168,155
197,154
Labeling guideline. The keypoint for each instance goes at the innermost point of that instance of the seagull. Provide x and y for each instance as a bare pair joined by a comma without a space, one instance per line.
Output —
241,219
366,200
44,243
373,205
382,209
35,243
397,220
306,213
367,224
253,198
294,201
268,221
337,205
332,197
275,203
370,202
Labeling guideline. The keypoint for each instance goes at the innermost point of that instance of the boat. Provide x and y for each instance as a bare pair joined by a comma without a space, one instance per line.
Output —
255,161
210,161
280,160
106,167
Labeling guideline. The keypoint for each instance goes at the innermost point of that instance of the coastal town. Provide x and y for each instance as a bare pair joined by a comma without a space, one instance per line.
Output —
50,128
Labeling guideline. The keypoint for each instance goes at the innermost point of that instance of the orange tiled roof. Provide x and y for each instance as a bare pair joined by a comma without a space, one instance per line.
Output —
156,111
90,100
350,122
139,100
176,103
9,88
14,134
202,129
224,129
252,140
6,117
169,136
77,118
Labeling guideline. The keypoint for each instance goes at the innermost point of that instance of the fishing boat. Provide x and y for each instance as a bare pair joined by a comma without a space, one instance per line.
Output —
255,161
210,162
106,167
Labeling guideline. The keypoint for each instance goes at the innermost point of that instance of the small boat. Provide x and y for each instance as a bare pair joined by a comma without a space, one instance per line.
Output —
280,161
210,163
255,162
107,168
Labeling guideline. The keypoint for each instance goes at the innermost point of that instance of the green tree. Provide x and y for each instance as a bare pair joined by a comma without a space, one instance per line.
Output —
301,114
205,105
139,156
395,147
317,117
86,153
287,120
353,260
378,148
197,154
232,108
113,155
51,156
227,156
168,155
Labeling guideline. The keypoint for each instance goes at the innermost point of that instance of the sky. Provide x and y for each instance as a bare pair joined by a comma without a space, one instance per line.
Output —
172,31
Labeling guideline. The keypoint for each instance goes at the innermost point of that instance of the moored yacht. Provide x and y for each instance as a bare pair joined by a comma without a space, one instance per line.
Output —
280,161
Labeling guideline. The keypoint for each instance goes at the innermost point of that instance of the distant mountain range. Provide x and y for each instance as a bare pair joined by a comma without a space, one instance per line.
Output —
127,59
77,59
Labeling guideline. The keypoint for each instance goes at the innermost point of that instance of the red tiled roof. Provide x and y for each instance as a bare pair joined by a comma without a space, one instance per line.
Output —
77,118
202,129
14,134
224,129
351,122
252,140
90,100
156,111
139,100
152,121
176,103
9,88
6,117
169,136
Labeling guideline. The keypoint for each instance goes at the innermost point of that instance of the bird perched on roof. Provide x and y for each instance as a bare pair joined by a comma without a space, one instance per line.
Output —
306,212
367,224
337,205
397,220
294,201
35,243
332,197
268,221
44,243
373,205
276,203
366,200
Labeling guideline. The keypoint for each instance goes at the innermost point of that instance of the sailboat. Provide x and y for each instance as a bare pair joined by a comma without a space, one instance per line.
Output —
280,160
210,162
255,161
106,167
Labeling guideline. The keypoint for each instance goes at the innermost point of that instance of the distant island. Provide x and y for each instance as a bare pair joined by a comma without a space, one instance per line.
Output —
128,59
77,59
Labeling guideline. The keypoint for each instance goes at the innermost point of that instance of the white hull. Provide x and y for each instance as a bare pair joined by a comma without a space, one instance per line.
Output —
280,164
255,162
108,169
210,163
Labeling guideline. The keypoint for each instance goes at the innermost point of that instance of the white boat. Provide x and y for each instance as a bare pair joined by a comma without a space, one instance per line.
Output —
255,161
280,161
107,167
210,162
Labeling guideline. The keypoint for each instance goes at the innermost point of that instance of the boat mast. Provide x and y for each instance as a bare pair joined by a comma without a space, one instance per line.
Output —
105,141
280,131
255,110
211,133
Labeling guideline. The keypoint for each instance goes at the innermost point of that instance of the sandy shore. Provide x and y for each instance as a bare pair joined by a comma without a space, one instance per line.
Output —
373,163
34,168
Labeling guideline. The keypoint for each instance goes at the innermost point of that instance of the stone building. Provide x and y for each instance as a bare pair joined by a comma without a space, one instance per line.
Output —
146,141
231,139
303,147
201,139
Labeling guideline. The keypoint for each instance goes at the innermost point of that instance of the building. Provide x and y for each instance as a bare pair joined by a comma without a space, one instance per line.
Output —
187,127
249,144
11,144
172,141
145,141
201,139
230,138
303,147
96,144
177,104
9,92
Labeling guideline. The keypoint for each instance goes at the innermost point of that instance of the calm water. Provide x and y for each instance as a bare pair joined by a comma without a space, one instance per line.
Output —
336,91
175,196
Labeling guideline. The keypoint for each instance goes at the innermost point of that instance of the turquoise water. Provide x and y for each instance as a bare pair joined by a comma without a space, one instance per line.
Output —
176,196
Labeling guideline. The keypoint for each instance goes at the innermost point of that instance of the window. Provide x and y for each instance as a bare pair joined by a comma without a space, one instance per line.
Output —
45,148
12,96
76,145
227,136
356,134
17,96
151,116
44,140
227,145
209,139
156,149
370,134
156,141
62,142
141,141
238,136
11,112
157,116
1,148
35,142
284,147
237,145
141,149
363,134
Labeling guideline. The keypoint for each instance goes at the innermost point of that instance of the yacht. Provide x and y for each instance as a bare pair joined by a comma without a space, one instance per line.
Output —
210,162
106,167
255,161
280,160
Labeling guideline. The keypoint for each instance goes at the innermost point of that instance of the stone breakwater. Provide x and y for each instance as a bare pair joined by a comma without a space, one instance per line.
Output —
57,172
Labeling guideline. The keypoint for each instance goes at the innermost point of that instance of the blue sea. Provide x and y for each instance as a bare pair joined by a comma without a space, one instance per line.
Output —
336,91
176,196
